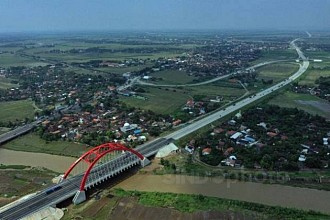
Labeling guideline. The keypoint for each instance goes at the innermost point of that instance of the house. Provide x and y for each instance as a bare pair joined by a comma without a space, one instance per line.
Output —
228,162
218,130
229,151
238,115
236,135
271,134
189,148
206,151
146,77
302,158
137,131
128,127
142,138
230,133
177,122
262,124
249,139
232,122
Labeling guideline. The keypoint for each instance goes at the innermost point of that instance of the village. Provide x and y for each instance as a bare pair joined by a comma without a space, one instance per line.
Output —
266,138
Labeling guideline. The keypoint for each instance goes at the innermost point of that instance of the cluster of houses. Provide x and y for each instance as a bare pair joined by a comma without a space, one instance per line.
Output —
232,135
194,107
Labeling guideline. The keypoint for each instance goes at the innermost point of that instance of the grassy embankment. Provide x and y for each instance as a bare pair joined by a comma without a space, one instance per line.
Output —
18,180
33,143
149,203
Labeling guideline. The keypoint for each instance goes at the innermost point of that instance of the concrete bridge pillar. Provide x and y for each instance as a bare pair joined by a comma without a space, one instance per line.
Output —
79,197
145,162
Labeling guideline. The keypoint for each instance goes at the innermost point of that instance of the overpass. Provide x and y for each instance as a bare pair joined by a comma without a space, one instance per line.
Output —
121,158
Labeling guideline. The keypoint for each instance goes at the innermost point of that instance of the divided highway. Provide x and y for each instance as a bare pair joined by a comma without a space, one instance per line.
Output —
70,186
17,132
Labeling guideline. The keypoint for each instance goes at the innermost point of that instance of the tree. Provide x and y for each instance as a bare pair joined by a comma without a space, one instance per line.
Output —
266,162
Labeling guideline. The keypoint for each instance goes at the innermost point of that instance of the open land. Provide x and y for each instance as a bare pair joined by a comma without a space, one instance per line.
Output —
6,83
21,180
173,77
16,110
306,102
277,72
33,143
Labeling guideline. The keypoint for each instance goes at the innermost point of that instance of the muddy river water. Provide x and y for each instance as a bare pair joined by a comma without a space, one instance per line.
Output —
279,195
52,162
275,195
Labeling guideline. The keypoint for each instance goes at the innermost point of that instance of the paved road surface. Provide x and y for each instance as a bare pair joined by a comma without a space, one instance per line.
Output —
17,132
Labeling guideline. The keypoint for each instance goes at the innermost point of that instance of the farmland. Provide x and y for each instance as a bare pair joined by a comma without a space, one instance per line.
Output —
316,71
6,83
174,77
159,100
302,101
277,72
16,110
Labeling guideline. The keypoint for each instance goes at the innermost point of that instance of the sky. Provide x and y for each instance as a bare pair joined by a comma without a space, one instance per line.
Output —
108,15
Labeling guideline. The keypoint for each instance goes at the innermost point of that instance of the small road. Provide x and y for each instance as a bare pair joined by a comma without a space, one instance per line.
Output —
139,81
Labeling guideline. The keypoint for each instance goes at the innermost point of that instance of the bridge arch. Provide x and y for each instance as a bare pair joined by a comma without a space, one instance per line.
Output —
92,156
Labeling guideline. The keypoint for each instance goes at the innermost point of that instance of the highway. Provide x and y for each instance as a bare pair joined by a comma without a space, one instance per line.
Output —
17,132
137,80
70,186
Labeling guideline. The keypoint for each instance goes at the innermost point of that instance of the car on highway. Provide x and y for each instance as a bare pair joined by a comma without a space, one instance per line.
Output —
53,189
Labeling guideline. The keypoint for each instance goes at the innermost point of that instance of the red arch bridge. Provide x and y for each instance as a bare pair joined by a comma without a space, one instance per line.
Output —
99,164
95,166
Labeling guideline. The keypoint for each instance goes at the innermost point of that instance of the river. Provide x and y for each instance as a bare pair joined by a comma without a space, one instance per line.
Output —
53,162
274,195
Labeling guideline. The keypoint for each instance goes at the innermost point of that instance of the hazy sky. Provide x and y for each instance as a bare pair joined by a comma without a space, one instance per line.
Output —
53,15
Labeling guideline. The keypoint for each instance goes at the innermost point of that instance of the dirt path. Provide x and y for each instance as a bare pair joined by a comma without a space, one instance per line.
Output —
275,195
52,162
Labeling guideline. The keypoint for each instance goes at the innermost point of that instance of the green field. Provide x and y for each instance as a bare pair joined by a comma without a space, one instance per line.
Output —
315,71
277,71
33,143
165,100
290,100
287,54
6,83
7,60
159,100
121,70
215,90
16,110
173,77
193,203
